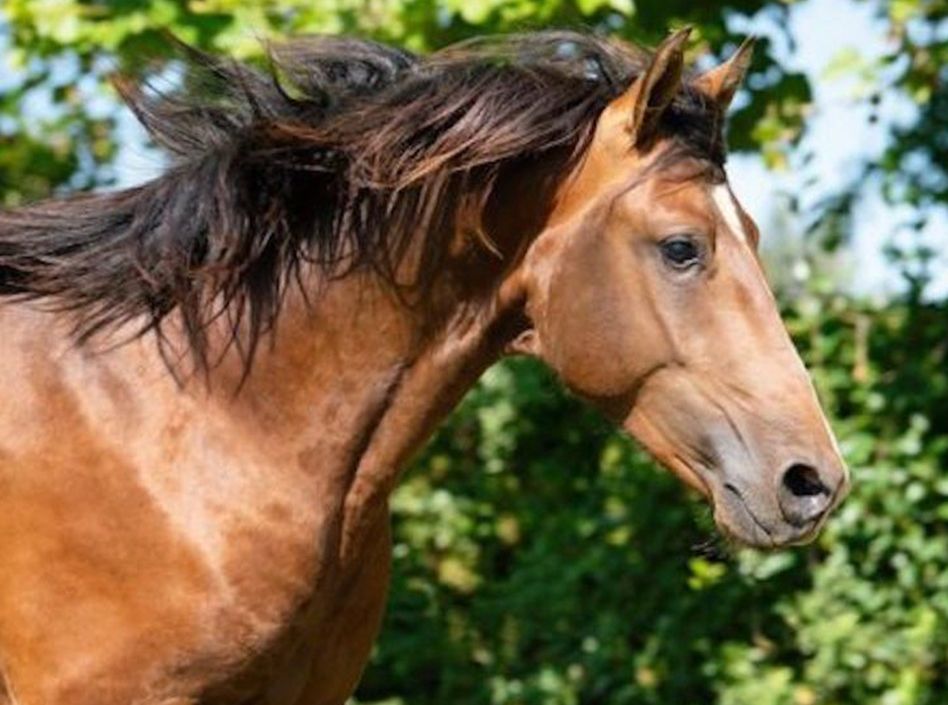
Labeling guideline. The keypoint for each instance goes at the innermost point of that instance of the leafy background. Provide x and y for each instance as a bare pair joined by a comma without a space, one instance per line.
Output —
539,557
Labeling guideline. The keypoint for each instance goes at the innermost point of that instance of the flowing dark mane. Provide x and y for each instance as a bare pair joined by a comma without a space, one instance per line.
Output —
341,155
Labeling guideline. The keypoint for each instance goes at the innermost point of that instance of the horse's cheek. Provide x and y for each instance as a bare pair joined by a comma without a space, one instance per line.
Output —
592,343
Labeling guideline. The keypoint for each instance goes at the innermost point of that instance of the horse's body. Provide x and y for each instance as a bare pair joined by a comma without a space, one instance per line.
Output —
182,541
226,541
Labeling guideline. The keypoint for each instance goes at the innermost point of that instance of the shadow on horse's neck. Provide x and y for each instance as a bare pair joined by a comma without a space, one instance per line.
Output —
358,379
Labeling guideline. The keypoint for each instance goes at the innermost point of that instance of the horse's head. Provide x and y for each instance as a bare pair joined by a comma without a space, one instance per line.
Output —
646,295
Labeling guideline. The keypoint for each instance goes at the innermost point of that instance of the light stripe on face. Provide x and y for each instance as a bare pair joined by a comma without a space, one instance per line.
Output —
724,200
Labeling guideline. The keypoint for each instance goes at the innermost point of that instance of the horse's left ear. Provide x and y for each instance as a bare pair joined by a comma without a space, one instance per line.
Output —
640,108
721,83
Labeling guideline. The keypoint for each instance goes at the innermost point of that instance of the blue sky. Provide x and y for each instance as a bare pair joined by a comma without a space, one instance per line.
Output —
841,137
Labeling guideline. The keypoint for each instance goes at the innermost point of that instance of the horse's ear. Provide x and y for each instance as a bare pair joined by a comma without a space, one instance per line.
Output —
648,96
721,83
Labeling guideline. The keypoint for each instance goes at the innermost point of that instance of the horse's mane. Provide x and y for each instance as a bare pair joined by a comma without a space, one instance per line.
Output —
340,155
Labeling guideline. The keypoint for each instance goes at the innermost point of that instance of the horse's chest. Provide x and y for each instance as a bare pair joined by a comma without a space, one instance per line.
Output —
310,619
266,580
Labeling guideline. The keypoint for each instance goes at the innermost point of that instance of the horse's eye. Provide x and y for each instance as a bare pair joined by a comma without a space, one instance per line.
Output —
680,252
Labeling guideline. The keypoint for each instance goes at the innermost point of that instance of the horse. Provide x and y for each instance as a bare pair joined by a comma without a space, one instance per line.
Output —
213,379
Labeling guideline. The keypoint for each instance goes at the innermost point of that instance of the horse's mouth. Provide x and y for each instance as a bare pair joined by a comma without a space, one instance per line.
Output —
737,519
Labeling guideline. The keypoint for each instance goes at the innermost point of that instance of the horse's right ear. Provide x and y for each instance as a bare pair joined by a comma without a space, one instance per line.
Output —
721,83
651,93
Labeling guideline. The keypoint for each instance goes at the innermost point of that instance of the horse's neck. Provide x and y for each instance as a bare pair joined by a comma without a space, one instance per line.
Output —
351,387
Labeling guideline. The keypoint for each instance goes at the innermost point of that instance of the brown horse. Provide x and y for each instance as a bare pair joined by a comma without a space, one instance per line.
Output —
212,380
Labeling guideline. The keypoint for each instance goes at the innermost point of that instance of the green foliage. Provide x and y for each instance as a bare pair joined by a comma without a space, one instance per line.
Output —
916,165
913,170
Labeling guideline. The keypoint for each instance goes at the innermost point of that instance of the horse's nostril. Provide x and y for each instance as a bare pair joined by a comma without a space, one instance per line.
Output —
803,496
804,481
